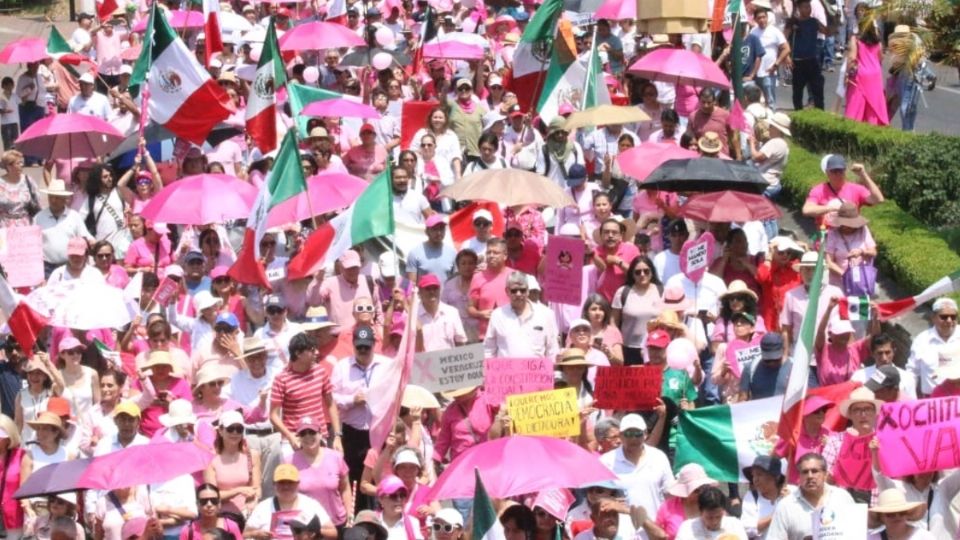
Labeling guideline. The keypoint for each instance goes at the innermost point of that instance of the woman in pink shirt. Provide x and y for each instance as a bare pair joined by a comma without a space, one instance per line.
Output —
104,260
323,472
151,252
146,185
235,469
838,354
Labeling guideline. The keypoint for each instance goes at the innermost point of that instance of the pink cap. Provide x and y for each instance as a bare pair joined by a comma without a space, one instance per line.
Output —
308,423
398,326
658,338
69,342
565,108
174,270
840,326
390,485
219,271
814,403
434,220
76,246
429,280
367,127
350,259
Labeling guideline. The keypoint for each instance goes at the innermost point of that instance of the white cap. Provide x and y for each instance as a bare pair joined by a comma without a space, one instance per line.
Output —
450,516
406,455
809,258
230,418
579,322
387,264
785,243
532,283
87,78
494,80
492,118
633,421
204,300
126,69
482,213
840,326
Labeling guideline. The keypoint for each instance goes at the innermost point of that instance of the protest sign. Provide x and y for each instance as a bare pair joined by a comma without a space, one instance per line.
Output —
505,376
21,253
852,468
563,274
919,436
554,413
165,291
629,388
449,369
843,521
740,353
696,255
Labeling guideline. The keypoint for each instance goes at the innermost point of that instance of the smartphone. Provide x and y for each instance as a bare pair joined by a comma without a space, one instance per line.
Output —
597,342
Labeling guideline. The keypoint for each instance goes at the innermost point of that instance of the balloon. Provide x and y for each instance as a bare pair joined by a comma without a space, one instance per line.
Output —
255,51
384,36
681,353
382,61
311,74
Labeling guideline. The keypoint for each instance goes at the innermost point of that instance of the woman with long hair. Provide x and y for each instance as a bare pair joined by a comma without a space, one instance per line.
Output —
147,184
43,382
235,469
81,383
634,305
103,209
225,288
49,449
98,421
210,518
105,260
604,335
864,96
448,145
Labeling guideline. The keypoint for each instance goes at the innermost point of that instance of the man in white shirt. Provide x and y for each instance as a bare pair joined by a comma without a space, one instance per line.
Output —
883,350
58,224
925,350
605,515
521,329
89,101
667,262
793,517
483,229
644,471
288,505
409,206
276,333
76,266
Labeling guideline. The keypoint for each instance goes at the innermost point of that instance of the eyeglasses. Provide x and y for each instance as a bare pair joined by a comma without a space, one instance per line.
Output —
236,429
104,256
398,496
362,348
632,434
364,308
274,310
203,501
642,272
482,224
72,352
427,145
215,383
518,291
307,433
443,527
862,410
947,317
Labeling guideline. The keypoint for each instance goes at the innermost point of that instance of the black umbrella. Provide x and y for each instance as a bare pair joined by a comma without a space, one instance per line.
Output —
705,175
154,132
361,57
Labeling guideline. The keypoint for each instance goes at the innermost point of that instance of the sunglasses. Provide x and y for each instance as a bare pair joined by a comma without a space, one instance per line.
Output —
398,496
362,348
947,317
72,352
203,501
221,280
518,291
443,527
216,383
632,434
364,308
274,310
236,429
642,272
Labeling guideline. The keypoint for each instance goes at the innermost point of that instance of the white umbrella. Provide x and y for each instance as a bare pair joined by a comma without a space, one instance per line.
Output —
462,37
90,306
233,22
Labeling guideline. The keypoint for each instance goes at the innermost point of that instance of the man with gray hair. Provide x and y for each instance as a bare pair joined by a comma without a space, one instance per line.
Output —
521,329
607,433
925,350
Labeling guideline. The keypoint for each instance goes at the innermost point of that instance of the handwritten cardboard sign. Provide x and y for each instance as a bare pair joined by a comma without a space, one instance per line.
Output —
629,388
853,466
696,256
741,353
918,436
836,522
21,253
554,413
563,274
166,291
449,369
505,376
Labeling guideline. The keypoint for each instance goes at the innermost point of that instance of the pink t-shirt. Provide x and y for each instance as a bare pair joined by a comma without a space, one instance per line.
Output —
849,192
228,153
364,163
488,291
193,531
230,476
838,246
141,254
529,258
671,515
613,277
322,481
836,364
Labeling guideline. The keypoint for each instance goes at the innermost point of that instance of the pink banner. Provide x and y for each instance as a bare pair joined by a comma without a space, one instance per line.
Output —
166,290
506,376
21,254
919,436
853,466
740,353
696,256
563,274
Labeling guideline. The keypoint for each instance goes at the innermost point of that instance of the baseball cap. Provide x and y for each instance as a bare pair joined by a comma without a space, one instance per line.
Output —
745,316
809,258
273,300
228,319
434,220
350,259
126,69
406,455
429,280
785,243
464,82
840,326
192,256
659,338
450,516
390,485
128,408
884,377
175,270
230,418
363,335
307,423
69,342
77,246
771,346
87,78
367,127
836,162
482,214
286,472
576,175
632,421
219,272
387,264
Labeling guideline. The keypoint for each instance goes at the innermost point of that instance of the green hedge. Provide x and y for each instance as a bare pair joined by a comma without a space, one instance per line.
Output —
823,132
909,252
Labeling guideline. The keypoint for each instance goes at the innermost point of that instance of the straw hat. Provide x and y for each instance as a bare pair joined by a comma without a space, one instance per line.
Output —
710,143
36,364
629,230
570,358
47,418
780,120
690,477
158,358
893,501
737,287
848,216
178,413
253,345
316,318
58,188
209,373
668,320
453,394
900,28
860,394
418,397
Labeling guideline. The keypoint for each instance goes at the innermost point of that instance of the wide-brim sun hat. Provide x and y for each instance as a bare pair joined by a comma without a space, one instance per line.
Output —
893,501
738,287
690,477
860,394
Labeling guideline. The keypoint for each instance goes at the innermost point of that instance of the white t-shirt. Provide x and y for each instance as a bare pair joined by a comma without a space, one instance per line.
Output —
409,208
771,38
693,529
96,105
776,150
262,514
667,265
12,104
644,482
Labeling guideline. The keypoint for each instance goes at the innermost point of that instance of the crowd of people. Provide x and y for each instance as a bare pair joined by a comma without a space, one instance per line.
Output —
275,383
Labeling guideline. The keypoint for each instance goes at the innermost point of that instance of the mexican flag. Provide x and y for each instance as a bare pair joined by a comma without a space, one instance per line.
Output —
337,12
855,308
24,322
486,526
578,82
386,391
108,354
60,50
213,40
300,96
727,438
533,52
262,103
284,181
791,418
370,216
945,285
183,96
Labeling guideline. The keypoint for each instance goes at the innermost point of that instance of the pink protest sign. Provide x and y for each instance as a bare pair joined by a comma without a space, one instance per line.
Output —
21,253
505,376
918,436
852,468
740,353
696,256
563,274
165,291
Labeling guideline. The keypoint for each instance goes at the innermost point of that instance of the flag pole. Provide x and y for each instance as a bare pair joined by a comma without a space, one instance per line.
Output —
306,185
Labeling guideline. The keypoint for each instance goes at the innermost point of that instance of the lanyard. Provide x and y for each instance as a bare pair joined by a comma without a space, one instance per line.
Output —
367,373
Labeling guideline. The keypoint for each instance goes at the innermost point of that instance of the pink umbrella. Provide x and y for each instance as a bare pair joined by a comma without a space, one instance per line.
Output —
144,464
131,54
517,465
729,207
616,10
201,199
339,108
69,135
24,50
680,66
177,18
453,50
319,35
328,192
640,161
